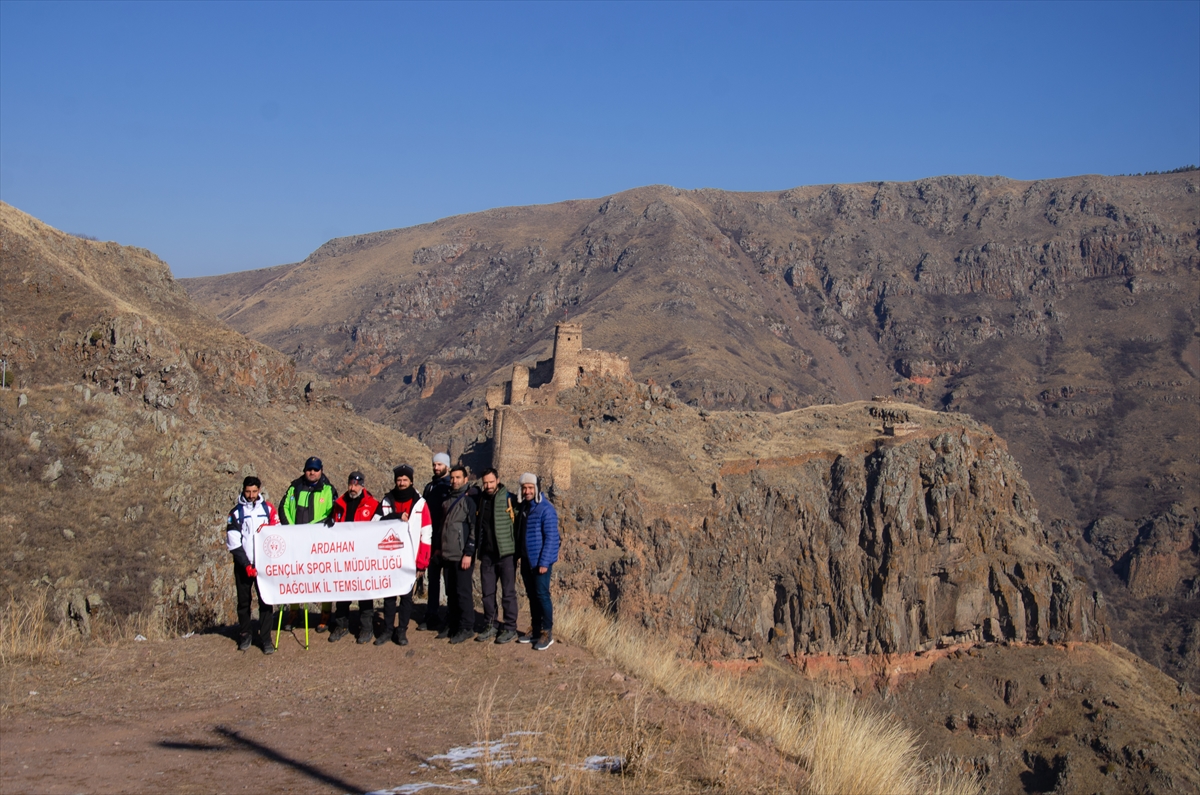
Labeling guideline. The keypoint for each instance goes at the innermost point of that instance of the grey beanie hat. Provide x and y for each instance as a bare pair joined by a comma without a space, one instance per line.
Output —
441,458
528,477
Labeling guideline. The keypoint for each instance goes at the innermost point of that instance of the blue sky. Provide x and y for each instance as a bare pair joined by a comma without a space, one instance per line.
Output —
228,136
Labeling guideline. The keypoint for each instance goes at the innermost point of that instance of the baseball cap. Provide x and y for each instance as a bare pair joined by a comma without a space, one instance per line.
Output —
313,463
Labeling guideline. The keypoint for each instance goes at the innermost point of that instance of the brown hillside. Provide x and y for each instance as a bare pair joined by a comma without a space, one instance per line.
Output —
1061,312
132,418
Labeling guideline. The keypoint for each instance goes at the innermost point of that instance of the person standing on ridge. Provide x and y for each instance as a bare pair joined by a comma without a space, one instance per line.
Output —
309,499
435,493
356,505
537,543
496,548
404,503
458,557
247,517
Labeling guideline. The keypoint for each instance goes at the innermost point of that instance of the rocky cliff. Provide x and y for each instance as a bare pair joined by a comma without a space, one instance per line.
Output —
867,528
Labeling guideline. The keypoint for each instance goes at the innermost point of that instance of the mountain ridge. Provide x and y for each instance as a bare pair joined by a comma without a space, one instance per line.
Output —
1060,312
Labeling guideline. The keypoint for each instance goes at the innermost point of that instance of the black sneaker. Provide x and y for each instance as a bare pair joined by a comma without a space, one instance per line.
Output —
507,636
422,627
526,637
486,635
544,642
267,646
244,641
365,633
400,637
443,633
337,633
462,635
385,637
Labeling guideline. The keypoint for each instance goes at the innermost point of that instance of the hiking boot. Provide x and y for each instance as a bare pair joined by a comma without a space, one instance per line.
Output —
323,623
384,637
544,642
365,632
526,637
267,646
338,633
507,636
443,633
462,635
289,619
244,641
422,627
486,635
400,637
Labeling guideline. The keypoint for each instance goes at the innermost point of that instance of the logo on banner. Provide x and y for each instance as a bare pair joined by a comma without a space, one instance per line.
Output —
274,546
391,542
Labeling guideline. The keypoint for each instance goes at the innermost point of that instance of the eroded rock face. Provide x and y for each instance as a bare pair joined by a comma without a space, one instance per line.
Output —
901,546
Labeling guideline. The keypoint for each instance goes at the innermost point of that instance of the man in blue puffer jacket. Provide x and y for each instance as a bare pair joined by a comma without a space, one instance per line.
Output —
537,544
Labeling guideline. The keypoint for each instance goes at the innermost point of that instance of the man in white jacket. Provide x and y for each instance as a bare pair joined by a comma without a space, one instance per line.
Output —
248,517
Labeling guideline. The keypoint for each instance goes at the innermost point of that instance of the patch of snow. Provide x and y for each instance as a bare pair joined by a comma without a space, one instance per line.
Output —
413,789
608,764
139,637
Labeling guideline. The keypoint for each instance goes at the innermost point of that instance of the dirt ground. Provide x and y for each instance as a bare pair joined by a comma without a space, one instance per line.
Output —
195,715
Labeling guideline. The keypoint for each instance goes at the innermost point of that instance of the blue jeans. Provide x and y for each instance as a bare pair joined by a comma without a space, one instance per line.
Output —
537,588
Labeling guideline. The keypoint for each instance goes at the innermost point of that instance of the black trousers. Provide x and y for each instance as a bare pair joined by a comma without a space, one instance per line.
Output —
246,585
390,611
366,611
439,573
460,601
503,569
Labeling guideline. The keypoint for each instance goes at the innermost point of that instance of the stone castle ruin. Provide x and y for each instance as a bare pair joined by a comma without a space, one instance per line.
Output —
529,431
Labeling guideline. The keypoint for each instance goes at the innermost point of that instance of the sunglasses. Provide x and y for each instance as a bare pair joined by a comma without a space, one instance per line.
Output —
310,469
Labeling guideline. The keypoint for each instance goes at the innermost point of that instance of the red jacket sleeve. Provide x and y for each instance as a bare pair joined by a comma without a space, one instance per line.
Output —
426,537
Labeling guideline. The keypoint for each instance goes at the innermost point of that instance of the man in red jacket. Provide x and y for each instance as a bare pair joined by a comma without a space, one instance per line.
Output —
356,505
406,504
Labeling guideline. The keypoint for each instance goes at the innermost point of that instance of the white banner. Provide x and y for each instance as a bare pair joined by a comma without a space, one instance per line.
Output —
349,561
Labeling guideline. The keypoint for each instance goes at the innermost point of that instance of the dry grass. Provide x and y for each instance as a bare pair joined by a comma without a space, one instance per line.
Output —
29,632
26,634
593,745
845,747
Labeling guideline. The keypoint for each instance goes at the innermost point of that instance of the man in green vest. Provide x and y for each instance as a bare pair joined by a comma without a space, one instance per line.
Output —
308,500
495,548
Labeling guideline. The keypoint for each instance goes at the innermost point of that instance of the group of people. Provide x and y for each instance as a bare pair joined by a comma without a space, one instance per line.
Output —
461,525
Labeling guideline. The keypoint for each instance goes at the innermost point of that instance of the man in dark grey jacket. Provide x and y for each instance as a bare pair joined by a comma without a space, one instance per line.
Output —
458,555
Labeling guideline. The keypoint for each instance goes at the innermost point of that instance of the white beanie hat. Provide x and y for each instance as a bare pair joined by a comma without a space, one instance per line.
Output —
441,458
528,477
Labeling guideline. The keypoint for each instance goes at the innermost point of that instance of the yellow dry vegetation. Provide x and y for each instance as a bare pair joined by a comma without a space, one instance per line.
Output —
846,747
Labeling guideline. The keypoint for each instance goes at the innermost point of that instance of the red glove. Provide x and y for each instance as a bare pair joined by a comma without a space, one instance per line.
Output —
251,571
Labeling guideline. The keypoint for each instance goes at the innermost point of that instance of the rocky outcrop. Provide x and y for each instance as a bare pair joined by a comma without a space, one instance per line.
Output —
839,539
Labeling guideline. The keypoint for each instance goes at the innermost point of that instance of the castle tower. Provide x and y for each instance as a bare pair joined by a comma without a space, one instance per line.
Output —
568,342
519,385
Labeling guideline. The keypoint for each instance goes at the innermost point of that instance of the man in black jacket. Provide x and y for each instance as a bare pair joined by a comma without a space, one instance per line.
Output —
458,556
495,548
435,494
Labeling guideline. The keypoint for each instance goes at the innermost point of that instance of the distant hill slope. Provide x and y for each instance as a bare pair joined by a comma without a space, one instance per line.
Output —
132,418
1062,312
